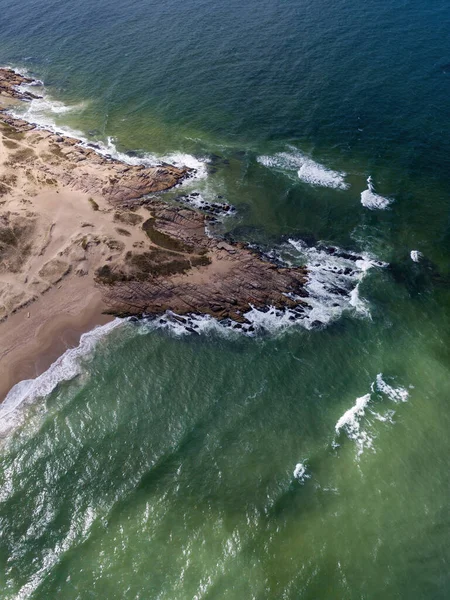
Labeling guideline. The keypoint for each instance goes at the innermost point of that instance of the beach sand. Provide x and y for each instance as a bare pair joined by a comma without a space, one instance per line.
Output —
83,237
58,225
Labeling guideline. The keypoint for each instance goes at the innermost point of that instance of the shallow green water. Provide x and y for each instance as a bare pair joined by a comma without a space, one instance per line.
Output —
165,469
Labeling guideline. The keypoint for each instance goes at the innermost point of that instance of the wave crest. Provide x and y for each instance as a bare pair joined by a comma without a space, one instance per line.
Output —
307,169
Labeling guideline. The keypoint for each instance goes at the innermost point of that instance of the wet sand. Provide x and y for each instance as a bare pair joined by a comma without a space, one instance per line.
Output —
30,344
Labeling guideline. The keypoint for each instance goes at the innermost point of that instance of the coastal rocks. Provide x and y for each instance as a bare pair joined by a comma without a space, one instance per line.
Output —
85,170
136,183
127,218
192,273
71,162
216,209
10,81
146,256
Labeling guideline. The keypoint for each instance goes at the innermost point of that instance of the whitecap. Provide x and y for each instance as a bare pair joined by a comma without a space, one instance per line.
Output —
396,394
371,200
300,472
316,174
307,169
148,159
355,422
350,422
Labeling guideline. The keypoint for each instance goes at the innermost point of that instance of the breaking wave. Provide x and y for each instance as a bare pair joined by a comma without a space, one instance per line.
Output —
307,169
371,200
67,367
42,111
300,472
334,278
357,423
350,422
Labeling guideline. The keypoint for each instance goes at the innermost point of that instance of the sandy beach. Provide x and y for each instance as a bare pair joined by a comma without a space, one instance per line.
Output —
84,237
53,236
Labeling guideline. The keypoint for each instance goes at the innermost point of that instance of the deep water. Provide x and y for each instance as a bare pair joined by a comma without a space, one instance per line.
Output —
303,462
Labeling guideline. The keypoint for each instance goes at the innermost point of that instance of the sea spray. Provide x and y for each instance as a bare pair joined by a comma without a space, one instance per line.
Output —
350,423
301,473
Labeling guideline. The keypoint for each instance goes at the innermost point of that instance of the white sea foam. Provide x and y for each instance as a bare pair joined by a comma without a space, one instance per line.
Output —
300,472
396,394
147,159
355,422
387,417
350,422
307,169
371,200
42,112
67,367
416,255
332,287
197,200
334,277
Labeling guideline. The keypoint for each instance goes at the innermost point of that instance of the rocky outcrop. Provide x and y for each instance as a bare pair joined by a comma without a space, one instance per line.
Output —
161,258
10,81
197,274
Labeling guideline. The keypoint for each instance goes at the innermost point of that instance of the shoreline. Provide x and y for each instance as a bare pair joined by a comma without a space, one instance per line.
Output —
83,238
27,358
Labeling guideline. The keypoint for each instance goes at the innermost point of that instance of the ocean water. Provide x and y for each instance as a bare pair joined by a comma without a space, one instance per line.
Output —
308,460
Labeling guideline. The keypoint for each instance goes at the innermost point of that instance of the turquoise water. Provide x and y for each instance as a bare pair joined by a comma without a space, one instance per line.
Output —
301,463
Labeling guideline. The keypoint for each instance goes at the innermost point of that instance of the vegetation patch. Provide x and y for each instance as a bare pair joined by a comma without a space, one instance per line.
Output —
128,218
94,204
115,245
15,247
7,237
124,232
9,179
155,263
163,240
10,144
10,132
22,155
108,276
200,261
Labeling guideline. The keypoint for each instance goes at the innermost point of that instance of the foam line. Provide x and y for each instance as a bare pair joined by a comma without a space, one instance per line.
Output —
67,367
41,112
307,169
